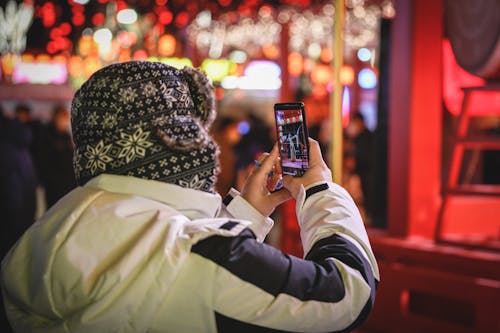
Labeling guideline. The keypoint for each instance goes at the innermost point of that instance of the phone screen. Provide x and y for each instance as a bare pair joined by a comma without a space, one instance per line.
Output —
292,136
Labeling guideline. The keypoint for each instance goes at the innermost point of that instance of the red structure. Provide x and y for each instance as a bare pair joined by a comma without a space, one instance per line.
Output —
426,286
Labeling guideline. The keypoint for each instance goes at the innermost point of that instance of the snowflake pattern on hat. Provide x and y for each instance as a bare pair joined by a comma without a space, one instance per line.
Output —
147,120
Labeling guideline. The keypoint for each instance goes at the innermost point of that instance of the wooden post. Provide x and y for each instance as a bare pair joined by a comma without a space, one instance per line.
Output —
336,96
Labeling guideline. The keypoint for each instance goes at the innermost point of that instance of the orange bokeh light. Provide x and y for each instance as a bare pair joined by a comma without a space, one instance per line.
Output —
321,74
346,75
166,45
326,55
295,64
75,66
271,51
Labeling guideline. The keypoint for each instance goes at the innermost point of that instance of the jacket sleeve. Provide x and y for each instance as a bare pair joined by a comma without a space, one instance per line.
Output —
257,288
237,207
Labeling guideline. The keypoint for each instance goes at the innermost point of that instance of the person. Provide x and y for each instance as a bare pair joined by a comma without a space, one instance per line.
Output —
255,141
17,188
362,139
56,157
144,244
17,180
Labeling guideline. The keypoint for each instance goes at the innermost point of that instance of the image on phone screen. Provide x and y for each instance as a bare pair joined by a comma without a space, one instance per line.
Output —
292,138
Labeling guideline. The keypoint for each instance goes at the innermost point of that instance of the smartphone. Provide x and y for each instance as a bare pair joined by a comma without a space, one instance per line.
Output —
293,140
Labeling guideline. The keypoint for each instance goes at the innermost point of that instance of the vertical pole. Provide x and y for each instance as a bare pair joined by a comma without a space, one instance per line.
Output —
285,93
336,96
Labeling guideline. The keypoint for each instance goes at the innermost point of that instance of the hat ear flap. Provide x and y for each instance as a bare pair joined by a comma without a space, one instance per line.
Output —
181,133
202,93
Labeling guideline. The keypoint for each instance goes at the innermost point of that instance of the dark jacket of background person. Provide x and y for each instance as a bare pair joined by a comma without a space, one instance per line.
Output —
56,161
17,181
17,188
363,150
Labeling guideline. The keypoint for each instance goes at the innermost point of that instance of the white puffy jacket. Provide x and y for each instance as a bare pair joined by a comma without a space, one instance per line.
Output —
123,254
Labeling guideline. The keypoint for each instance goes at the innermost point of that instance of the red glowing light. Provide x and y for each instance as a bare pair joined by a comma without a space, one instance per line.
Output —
65,28
244,10
48,14
51,47
120,5
61,43
55,33
78,19
224,3
98,19
182,19
165,17
161,2
454,78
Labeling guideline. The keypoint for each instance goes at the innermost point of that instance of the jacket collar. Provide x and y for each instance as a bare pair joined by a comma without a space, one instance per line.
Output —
193,204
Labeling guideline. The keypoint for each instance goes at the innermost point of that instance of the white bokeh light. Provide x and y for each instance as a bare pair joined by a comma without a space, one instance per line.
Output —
126,16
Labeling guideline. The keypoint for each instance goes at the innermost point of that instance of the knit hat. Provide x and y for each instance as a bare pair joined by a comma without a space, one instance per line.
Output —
147,120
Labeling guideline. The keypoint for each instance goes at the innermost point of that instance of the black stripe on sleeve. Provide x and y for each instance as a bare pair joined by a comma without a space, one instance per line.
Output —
228,225
316,189
271,270
227,199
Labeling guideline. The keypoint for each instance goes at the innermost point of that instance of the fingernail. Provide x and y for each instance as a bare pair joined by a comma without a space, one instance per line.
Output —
279,184
257,163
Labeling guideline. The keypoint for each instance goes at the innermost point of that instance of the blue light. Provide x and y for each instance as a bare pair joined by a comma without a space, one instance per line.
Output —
364,54
367,79
243,127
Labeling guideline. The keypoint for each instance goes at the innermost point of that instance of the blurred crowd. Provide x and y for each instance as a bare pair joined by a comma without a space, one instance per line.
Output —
36,167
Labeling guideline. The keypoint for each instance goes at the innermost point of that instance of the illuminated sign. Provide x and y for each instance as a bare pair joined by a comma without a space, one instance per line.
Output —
259,75
42,73
217,69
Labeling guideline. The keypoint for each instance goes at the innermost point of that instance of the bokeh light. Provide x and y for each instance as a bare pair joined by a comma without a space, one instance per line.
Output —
126,16
364,54
367,78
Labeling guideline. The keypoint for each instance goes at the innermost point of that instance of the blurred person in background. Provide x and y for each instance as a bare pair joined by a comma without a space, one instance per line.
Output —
17,188
24,114
56,157
362,139
255,140
145,244
17,180
226,134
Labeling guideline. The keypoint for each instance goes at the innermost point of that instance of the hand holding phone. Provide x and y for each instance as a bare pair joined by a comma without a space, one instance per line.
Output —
293,143
256,189
318,172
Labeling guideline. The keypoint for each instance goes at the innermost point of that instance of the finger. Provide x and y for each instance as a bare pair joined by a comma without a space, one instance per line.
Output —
314,152
269,161
277,162
261,158
258,163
